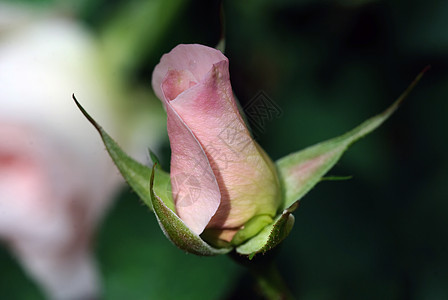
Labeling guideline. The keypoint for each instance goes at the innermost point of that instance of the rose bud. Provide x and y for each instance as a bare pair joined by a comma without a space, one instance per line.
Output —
224,193
221,178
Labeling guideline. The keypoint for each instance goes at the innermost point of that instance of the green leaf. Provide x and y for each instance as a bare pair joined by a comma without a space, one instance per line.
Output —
270,236
175,230
301,171
136,174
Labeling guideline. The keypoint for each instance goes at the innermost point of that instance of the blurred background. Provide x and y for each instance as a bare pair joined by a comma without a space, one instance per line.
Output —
328,65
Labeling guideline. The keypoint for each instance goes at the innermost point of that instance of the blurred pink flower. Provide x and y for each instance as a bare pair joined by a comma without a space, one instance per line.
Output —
56,179
220,176
47,213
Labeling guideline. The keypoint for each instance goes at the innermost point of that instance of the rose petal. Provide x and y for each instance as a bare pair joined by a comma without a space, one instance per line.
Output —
240,166
196,192
195,58
176,82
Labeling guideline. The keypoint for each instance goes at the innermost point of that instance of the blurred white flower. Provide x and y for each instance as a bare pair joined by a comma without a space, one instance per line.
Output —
56,180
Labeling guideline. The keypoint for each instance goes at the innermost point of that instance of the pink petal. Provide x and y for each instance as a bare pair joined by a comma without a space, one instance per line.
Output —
177,81
240,166
195,190
197,59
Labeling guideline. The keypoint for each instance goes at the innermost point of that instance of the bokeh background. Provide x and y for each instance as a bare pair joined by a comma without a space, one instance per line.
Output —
328,65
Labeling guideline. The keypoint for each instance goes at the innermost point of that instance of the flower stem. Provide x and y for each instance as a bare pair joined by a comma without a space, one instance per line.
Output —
269,282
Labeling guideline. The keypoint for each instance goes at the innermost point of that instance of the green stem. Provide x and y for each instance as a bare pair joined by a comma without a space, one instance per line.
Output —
269,282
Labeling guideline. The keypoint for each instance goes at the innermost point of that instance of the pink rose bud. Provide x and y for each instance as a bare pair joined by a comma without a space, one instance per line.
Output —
221,178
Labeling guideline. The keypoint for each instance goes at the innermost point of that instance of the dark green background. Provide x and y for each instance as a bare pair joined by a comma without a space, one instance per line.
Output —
328,65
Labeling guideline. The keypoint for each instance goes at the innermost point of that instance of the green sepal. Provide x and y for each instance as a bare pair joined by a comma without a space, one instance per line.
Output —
176,230
133,172
301,171
162,186
251,228
271,235
137,176
154,158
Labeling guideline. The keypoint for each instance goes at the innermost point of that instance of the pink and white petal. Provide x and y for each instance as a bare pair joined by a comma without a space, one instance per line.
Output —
24,183
195,189
195,58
